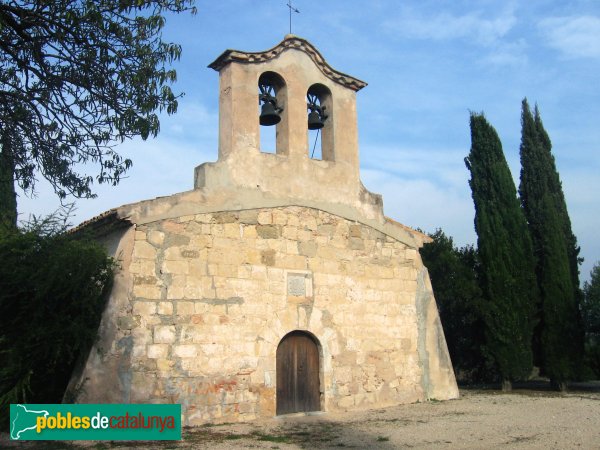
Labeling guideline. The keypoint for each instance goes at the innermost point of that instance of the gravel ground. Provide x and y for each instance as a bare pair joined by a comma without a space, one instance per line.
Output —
522,419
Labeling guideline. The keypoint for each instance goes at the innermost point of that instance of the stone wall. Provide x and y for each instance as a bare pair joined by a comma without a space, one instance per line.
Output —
211,296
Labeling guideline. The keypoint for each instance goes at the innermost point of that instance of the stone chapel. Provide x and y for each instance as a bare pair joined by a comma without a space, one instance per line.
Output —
276,285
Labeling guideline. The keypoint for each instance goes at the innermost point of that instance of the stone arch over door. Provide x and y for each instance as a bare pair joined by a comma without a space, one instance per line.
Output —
298,384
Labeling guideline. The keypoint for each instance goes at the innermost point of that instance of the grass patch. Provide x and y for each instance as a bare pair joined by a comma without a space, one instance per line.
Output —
382,438
301,433
274,438
234,437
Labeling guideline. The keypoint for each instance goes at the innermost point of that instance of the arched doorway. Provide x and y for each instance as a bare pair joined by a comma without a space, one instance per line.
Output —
298,374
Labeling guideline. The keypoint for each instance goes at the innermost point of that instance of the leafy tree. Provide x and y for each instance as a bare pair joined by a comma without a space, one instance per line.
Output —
453,276
76,78
505,255
53,287
556,251
591,304
8,196
591,319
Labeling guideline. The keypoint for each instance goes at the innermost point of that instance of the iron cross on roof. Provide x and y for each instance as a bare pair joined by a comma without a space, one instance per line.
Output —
292,9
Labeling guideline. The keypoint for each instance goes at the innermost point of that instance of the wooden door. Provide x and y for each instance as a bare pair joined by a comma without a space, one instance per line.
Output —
297,374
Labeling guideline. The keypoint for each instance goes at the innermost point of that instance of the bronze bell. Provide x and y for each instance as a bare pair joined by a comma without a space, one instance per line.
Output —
269,114
315,122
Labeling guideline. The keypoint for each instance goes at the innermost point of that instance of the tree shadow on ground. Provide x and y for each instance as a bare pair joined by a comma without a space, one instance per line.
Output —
300,431
541,385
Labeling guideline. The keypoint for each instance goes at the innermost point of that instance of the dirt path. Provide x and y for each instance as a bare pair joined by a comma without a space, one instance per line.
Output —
478,420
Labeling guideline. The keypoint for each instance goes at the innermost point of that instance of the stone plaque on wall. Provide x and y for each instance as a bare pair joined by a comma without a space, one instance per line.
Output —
296,285
299,284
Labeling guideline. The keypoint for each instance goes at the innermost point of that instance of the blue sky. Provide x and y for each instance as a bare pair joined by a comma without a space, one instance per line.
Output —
428,63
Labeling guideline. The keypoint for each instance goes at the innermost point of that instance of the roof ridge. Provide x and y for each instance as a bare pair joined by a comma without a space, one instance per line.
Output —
290,41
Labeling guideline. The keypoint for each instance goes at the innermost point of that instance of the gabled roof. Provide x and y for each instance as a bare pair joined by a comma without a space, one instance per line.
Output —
289,42
101,224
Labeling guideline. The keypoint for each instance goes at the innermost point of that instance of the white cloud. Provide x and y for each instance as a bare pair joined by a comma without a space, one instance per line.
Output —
444,166
424,188
424,204
193,121
508,54
475,26
574,36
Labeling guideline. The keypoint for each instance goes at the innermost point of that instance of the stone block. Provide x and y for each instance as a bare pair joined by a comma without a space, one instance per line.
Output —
326,253
128,322
175,292
185,308
304,235
293,262
165,308
156,351
145,279
267,257
249,232
211,349
280,217
291,247
232,230
185,351
308,222
227,270
156,238
142,266
225,217
268,231
139,351
186,219
289,232
308,248
143,250
172,254
410,254
249,216
165,365
144,308
244,271
147,291
259,272
355,231
177,240
175,267
197,268
325,230
164,334
265,217
355,243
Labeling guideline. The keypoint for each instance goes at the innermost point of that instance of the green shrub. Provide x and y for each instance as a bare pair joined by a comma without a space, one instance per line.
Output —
592,361
53,287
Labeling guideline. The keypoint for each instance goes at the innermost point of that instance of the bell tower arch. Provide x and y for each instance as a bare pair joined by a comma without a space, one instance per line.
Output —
272,96
293,89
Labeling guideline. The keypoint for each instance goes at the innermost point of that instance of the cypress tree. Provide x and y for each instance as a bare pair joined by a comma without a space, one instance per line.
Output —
557,255
505,254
